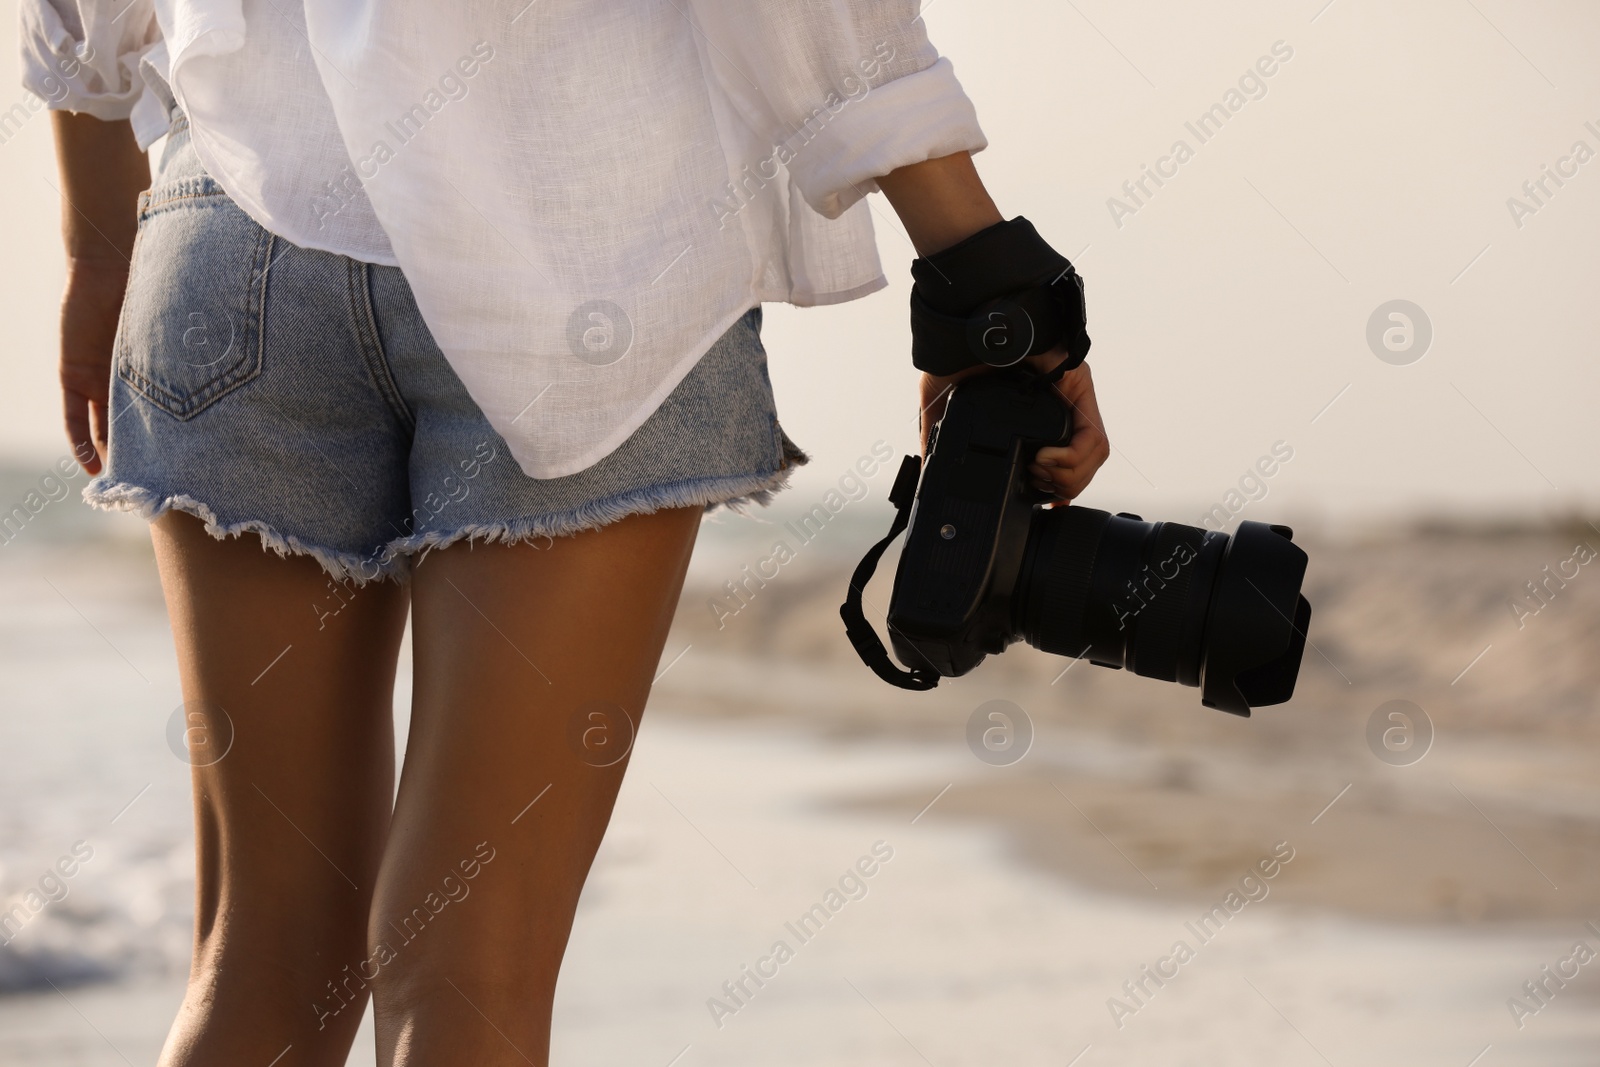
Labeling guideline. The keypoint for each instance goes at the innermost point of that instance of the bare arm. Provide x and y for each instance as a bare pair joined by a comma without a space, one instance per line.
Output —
941,202
102,173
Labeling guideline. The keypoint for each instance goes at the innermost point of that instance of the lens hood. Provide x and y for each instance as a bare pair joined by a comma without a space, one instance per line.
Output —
1256,629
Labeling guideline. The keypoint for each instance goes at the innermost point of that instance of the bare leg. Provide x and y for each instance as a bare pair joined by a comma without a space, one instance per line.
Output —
290,823
515,645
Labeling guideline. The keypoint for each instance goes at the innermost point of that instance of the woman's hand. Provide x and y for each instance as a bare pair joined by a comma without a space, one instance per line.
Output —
89,311
943,201
103,170
1063,472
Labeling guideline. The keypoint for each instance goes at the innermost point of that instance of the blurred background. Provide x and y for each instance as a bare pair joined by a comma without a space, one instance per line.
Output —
1239,307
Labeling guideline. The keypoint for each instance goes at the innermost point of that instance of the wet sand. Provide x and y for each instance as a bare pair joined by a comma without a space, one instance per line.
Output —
1499,823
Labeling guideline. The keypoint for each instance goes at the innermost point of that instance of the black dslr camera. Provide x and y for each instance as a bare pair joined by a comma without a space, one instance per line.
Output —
986,563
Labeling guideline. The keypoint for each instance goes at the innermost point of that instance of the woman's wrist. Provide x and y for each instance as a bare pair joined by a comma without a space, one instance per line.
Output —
941,202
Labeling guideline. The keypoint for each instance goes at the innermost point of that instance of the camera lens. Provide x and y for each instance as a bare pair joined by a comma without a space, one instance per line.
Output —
1168,601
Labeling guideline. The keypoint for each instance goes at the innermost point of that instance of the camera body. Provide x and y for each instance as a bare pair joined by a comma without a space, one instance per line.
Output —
954,591
985,564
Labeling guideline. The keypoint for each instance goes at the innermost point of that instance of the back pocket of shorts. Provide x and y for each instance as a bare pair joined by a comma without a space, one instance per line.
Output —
190,331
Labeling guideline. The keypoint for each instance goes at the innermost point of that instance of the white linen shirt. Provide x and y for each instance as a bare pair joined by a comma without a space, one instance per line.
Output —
583,194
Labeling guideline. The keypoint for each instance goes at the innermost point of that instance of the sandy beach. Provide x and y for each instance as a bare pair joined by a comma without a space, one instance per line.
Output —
1022,904
1193,792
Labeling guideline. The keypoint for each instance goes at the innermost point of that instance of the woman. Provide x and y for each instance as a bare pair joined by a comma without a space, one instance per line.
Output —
457,312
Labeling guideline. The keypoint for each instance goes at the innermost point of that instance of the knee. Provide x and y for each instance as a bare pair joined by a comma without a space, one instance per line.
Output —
444,970
241,1002
342,996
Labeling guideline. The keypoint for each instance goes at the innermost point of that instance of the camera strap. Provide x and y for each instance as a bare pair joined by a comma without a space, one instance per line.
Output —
865,639
996,298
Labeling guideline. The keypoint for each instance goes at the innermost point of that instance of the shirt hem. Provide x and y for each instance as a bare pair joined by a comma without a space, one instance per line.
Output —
647,407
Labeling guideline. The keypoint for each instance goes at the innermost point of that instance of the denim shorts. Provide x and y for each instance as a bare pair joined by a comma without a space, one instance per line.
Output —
297,395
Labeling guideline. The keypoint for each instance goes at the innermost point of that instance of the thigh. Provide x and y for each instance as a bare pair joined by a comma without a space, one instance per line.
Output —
533,664
290,736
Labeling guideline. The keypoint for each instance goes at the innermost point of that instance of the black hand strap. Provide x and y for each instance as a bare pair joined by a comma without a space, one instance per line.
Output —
997,297
865,639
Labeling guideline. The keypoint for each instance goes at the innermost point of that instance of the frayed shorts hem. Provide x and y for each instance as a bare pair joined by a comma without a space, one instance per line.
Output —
151,505
395,559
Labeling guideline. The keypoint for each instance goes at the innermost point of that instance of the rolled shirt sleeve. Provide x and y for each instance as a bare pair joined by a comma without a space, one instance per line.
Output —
847,90
83,55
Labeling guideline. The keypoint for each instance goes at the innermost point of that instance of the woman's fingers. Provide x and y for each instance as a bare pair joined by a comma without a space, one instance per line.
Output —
1087,450
1071,467
1042,480
85,443
1063,471
86,422
1067,483
83,399
89,312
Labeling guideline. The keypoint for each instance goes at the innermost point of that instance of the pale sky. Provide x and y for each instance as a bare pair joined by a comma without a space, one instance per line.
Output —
1230,308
